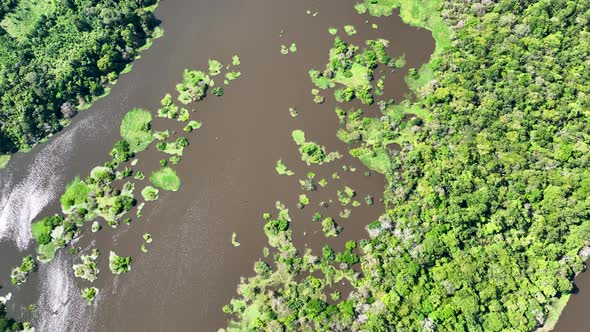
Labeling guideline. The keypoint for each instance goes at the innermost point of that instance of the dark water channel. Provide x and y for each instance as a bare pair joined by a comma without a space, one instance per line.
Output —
227,172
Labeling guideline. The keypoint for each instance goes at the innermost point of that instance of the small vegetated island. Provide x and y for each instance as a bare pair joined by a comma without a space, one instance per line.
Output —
486,219
56,57
108,195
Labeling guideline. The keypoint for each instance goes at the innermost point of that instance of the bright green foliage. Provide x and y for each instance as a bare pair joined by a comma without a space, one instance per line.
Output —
282,169
232,75
350,30
89,294
4,159
303,199
215,67
330,228
76,194
150,193
136,129
352,70
345,196
56,56
192,125
88,269
119,264
193,87
298,136
165,178
235,60
311,152
234,240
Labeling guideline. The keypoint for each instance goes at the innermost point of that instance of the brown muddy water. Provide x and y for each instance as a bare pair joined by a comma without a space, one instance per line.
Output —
574,317
227,172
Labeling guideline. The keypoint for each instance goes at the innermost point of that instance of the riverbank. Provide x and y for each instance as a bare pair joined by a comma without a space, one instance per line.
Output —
84,102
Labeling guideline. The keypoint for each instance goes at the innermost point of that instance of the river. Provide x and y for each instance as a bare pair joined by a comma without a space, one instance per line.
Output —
227,173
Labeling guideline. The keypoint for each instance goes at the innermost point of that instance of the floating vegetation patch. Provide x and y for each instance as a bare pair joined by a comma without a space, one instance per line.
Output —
282,169
193,87
150,193
311,152
192,125
19,274
165,178
291,49
215,67
136,130
119,264
234,240
350,30
89,294
88,269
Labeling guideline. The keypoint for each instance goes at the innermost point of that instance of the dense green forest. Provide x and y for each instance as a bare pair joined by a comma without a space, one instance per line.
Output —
57,55
488,204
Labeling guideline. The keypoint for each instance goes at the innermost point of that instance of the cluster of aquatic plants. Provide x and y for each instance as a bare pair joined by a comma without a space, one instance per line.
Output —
282,169
20,274
193,87
89,294
150,193
345,196
291,49
136,130
119,264
353,70
276,298
88,269
108,192
166,179
311,152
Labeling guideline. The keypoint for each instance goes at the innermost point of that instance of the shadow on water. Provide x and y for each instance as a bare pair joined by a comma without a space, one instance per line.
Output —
227,172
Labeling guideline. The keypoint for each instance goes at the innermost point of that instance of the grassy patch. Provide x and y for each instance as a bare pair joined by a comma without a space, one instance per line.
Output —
76,194
298,136
555,311
136,130
165,178
377,160
4,159
150,193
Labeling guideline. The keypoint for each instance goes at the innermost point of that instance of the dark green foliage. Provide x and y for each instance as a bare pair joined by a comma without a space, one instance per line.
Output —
6,323
65,58
312,153
121,152
217,91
